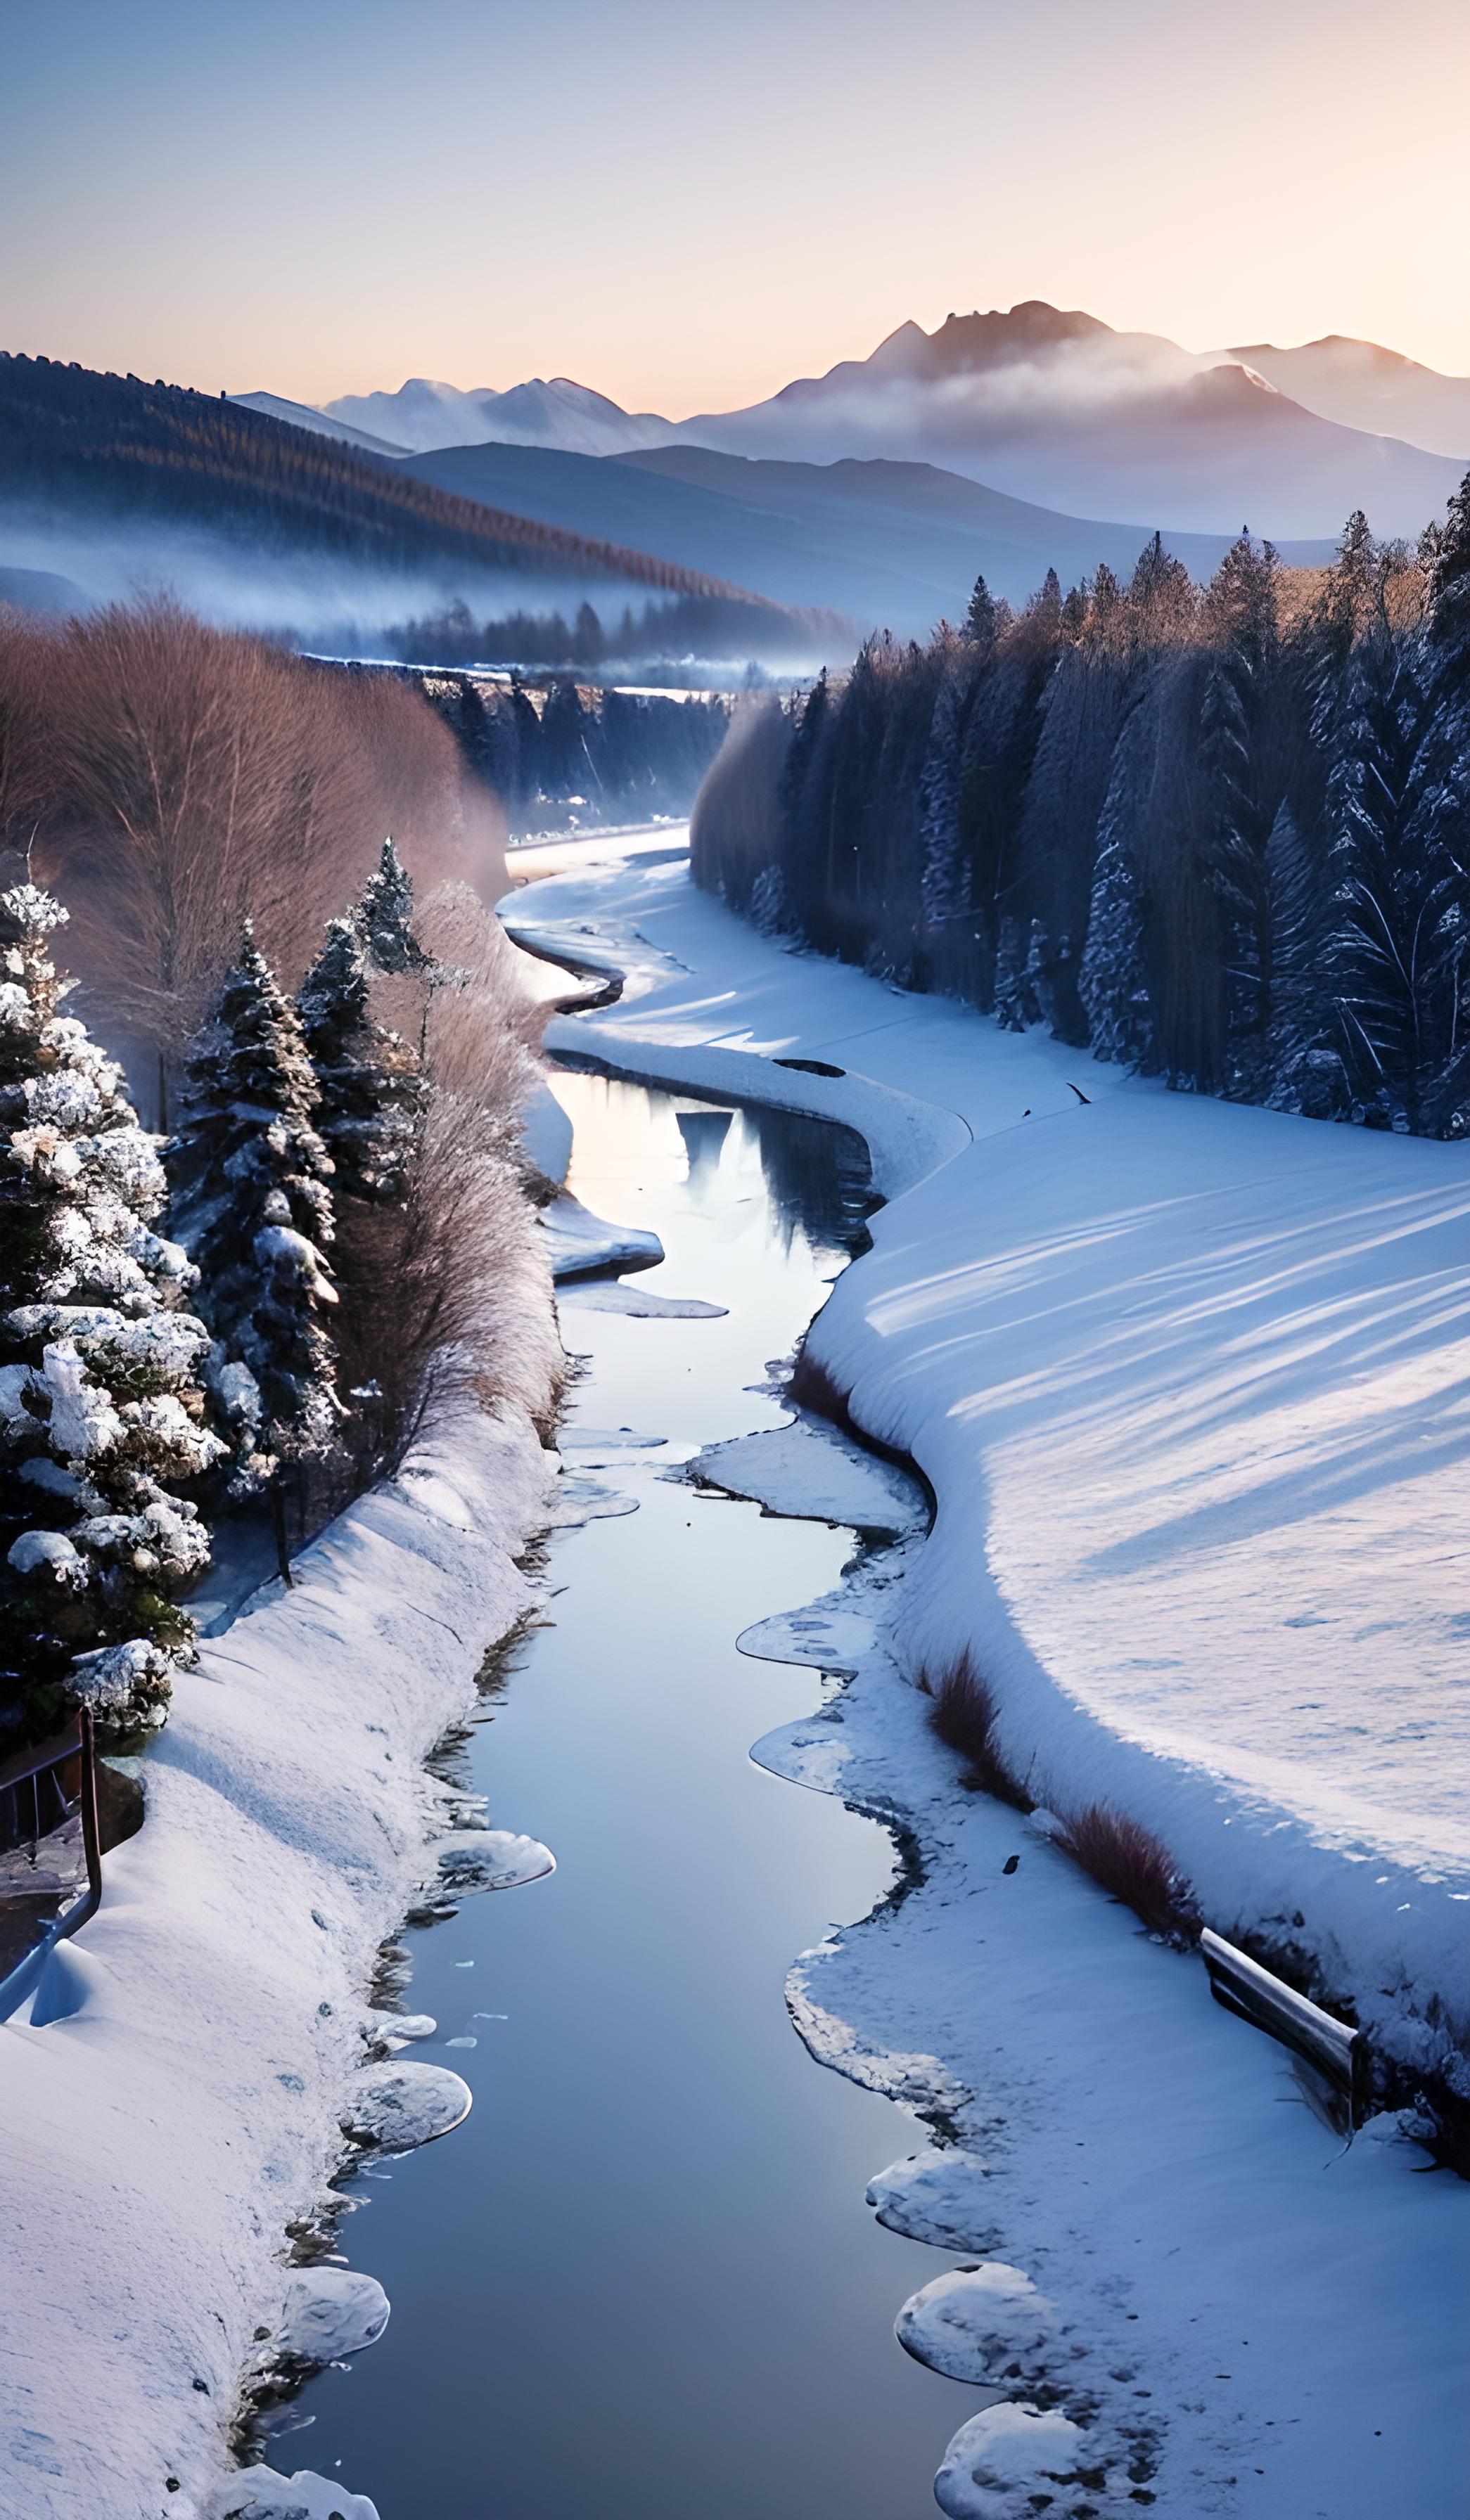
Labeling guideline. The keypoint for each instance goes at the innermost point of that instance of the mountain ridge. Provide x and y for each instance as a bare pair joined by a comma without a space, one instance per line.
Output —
1049,405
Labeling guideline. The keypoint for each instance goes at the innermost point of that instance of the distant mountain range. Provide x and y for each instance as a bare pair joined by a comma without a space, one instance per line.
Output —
423,415
1050,407
1362,386
1008,443
888,545
1058,408
111,480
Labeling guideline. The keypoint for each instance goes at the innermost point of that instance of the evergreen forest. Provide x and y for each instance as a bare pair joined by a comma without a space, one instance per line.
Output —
1218,834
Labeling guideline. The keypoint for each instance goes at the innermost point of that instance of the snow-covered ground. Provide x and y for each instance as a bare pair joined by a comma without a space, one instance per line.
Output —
159,2137
1190,1384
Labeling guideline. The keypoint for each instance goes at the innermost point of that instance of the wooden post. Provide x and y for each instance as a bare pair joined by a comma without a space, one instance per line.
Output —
1268,2004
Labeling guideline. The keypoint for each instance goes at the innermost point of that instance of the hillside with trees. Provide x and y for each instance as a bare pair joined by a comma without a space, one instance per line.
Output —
81,446
1220,835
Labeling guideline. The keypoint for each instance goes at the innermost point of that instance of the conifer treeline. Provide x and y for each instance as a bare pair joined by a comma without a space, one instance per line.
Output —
704,626
1220,835
76,443
621,751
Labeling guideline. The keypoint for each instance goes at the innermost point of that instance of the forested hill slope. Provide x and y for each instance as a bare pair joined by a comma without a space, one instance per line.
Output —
77,445
1221,837
892,546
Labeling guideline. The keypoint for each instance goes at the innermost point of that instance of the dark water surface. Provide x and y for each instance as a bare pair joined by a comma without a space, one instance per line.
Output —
641,2283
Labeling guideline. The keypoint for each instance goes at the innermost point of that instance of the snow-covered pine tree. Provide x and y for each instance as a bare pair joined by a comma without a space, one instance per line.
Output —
371,1093
1303,1069
100,1409
1014,1007
1113,982
1045,962
943,888
1391,887
251,1199
1240,618
384,916
1440,833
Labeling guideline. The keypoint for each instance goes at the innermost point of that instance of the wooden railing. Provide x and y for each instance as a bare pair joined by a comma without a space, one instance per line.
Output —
22,1783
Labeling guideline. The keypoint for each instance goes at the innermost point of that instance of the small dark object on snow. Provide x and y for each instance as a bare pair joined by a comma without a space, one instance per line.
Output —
811,1066
1011,1865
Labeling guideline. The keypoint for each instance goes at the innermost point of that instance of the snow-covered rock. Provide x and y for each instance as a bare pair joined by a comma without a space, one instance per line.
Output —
260,2494
937,2196
394,2108
984,2323
490,1858
1016,2462
329,2312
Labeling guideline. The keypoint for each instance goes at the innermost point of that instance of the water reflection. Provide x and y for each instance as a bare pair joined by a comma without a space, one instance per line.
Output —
641,2280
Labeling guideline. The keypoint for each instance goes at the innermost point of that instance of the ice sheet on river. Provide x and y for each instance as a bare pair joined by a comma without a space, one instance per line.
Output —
584,1245
816,1471
641,1303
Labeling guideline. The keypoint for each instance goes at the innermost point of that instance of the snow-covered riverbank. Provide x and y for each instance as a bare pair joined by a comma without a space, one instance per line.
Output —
1186,1380
159,2138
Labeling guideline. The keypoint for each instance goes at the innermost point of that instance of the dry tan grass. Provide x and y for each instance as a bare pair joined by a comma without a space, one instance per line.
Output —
964,1715
1130,1863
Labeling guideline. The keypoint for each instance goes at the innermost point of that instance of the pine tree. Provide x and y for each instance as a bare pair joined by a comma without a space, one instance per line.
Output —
1303,1068
1240,615
1393,889
982,618
1113,982
384,916
1015,1006
369,1091
99,1410
252,1201
942,873
1161,599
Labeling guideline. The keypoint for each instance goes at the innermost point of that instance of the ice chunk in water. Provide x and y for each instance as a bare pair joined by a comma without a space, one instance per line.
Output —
397,2106
331,2311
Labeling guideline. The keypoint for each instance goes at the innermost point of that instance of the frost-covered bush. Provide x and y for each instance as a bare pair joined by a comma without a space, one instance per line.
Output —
101,1413
251,1199
445,1291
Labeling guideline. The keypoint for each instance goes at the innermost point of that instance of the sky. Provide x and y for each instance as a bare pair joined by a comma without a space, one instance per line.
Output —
684,205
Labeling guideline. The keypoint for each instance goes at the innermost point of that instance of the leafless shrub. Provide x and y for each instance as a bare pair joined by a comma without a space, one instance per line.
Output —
192,775
964,1715
26,747
449,1295
1130,1863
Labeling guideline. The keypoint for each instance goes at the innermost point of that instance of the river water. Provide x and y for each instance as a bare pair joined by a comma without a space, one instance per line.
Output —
641,2281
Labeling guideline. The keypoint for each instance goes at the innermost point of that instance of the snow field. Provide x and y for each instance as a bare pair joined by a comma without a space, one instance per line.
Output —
1170,1368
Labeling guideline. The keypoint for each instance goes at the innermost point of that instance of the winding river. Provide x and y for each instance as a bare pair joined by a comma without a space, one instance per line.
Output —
641,2281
